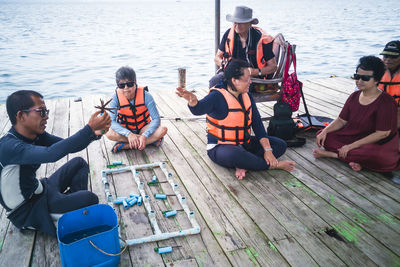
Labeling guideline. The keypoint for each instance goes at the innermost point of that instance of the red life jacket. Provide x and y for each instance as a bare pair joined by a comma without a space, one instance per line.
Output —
265,39
391,85
133,117
236,127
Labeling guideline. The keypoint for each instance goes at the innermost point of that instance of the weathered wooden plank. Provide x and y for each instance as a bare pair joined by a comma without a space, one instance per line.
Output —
205,173
98,159
319,252
342,200
322,102
337,84
385,179
260,197
334,98
46,251
379,182
60,128
313,224
5,125
17,246
242,195
294,158
373,224
261,216
329,89
76,124
222,229
309,151
310,190
132,224
203,247
134,220
4,121
4,222
201,256
97,154
377,203
183,263
345,80
388,201
166,225
179,141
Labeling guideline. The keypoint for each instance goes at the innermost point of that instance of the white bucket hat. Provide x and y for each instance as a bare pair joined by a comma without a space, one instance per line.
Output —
242,14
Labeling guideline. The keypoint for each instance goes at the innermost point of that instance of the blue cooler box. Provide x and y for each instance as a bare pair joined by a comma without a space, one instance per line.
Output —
79,232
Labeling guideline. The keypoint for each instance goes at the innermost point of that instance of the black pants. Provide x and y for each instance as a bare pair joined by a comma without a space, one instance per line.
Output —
73,174
250,158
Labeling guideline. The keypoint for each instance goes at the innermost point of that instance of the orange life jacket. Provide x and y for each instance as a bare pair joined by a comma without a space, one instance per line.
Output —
133,117
236,127
265,39
391,85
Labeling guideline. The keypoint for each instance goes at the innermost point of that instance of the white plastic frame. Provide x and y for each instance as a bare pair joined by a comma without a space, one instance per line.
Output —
158,234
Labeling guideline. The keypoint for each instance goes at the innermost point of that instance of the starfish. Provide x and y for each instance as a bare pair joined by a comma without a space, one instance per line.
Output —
103,106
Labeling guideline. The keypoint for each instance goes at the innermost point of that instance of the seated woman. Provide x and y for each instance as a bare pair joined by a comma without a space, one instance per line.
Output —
365,133
231,114
136,122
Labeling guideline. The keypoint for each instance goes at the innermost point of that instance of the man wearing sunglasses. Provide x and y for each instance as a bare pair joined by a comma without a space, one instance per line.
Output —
137,122
390,82
30,202
246,42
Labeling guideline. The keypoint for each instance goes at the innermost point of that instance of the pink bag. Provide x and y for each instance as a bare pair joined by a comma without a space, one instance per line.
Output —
291,86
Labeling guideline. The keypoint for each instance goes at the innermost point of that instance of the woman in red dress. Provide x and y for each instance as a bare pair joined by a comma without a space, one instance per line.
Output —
365,133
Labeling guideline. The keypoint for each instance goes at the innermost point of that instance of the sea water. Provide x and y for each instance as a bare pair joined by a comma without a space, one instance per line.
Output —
73,48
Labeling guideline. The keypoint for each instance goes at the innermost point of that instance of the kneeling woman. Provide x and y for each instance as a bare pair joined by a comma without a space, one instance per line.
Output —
231,114
365,133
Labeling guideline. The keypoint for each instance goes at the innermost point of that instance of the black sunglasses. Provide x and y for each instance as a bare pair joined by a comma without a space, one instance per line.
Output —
365,78
122,85
43,112
390,56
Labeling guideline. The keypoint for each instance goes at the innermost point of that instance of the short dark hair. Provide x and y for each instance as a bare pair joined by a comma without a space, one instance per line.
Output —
373,64
20,100
235,69
125,72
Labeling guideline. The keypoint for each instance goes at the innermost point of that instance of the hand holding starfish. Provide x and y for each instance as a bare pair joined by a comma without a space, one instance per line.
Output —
103,106
104,115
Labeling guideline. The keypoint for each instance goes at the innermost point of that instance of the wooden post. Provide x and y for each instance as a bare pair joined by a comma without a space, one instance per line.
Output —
182,77
217,26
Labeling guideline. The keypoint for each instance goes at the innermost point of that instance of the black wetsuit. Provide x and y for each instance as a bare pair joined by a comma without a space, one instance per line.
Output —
29,201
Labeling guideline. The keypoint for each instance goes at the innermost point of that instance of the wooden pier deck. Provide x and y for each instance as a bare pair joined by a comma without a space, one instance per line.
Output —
323,213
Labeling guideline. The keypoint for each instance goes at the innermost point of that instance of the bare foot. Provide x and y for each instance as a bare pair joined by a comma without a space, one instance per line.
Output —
355,166
319,153
286,165
240,173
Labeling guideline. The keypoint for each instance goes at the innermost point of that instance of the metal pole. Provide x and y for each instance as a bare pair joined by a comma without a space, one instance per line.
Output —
217,25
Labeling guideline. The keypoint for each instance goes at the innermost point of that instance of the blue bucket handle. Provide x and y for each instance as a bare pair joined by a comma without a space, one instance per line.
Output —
109,254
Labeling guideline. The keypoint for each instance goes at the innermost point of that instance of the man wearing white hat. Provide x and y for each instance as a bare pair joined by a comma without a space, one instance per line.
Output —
247,42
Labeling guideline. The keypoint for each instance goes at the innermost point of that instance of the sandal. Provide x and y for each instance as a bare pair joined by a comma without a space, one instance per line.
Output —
158,142
117,147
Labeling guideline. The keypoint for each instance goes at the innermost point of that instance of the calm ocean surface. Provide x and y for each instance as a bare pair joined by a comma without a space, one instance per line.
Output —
73,48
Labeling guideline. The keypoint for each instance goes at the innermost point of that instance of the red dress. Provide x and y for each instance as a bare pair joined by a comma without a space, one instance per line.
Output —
362,120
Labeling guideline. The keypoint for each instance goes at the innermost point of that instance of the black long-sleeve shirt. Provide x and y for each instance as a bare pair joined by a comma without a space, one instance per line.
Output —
20,157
